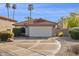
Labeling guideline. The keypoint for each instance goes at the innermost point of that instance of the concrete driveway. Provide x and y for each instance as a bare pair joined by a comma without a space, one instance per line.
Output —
30,47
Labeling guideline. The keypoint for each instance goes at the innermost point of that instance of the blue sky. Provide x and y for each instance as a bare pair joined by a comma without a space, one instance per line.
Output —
49,11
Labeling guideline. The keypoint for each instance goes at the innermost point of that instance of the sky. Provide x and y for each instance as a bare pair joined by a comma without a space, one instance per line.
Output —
49,11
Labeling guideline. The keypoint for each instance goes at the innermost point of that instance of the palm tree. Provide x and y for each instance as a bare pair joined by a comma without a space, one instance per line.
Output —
14,8
30,8
8,6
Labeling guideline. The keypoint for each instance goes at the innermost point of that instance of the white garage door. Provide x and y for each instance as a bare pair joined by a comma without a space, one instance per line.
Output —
40,31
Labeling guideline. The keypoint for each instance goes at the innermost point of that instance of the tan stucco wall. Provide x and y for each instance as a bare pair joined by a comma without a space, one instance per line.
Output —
5,24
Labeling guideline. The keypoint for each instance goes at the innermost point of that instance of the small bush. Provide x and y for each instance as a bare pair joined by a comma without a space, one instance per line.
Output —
5,35
60,34
10,35
74,33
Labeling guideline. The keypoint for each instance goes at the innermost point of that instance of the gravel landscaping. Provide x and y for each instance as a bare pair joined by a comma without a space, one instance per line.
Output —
69,47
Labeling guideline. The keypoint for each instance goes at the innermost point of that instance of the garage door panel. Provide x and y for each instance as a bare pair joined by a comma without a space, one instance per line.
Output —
40,31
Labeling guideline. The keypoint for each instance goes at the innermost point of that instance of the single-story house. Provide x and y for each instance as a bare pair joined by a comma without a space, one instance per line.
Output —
6,23
37,27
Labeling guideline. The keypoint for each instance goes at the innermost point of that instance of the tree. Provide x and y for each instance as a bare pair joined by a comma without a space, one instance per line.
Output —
71,20
8,6
14,8
30,8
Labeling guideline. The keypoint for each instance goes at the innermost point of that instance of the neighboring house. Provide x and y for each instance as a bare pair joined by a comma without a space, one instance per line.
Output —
6,23
37,27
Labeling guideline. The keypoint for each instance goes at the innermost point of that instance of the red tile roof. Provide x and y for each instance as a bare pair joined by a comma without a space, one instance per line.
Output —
36,22
6,18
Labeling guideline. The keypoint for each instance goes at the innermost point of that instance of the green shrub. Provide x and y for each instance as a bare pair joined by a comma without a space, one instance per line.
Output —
10,35
5,35
74,33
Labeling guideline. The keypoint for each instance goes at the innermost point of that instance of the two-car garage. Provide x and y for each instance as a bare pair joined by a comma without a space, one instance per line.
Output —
40,31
